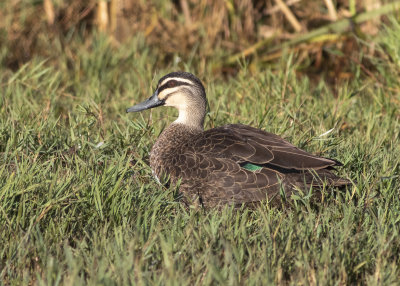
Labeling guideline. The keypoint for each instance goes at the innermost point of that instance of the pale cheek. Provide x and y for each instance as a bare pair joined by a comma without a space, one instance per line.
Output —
178,106
177,101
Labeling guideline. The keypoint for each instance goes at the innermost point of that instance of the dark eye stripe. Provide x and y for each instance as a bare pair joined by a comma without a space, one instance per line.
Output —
177,83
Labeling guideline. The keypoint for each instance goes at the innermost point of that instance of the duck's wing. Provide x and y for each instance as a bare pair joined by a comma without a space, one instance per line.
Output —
213,166
223,181
243,143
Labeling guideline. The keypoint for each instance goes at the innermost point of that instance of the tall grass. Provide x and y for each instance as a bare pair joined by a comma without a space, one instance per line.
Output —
78,204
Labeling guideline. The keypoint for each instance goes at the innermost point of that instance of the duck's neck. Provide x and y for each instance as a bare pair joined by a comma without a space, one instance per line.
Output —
191,117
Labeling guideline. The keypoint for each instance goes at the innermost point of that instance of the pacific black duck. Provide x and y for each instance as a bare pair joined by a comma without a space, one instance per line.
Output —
231,164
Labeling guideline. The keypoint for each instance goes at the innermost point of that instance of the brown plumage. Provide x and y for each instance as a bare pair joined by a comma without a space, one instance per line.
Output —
231,164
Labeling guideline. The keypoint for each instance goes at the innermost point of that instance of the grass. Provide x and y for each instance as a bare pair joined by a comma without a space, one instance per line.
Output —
78,204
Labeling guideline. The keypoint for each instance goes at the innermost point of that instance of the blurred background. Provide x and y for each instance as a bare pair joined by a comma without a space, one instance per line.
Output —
326,36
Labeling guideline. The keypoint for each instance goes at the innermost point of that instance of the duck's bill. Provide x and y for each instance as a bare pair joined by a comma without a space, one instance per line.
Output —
153,101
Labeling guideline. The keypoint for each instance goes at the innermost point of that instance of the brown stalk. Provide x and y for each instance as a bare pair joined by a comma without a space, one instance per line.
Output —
331,9
276,8
186,12
113,15
102,16
49,10
289,15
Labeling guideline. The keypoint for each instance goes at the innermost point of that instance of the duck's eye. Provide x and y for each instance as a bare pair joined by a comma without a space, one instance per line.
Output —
172,83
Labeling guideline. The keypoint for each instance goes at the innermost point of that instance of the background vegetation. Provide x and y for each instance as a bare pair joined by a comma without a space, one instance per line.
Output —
78,204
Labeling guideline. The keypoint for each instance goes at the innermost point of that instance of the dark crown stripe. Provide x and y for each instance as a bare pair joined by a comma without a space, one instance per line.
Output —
178,83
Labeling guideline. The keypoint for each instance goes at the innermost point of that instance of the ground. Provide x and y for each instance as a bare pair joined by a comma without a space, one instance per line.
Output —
79,206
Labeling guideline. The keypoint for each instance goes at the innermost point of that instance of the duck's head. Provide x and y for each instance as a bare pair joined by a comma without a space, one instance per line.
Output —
183,91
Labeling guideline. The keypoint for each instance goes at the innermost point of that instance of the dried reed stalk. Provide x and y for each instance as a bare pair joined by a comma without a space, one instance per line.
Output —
276,8
49,10
289,15
114,4
331,10
102,16
186,12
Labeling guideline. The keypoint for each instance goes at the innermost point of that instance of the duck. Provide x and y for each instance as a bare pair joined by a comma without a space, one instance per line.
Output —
234,164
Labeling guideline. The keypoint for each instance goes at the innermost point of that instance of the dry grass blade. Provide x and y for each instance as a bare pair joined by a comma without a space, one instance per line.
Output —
276,8
113,15
289,15
49,10
331,9
102,16
186,12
